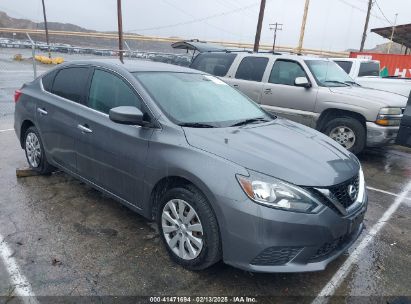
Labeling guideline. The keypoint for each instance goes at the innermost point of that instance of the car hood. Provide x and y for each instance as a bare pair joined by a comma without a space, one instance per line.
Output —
282,149
383,98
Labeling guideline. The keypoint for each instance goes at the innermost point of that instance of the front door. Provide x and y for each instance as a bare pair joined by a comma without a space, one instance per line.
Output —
112,155
281,96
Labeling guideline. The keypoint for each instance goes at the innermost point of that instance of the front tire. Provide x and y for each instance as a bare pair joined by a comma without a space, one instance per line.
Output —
188,228
348,132
33,146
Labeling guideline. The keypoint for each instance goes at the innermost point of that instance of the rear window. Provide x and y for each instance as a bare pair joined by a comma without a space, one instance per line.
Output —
252,68
369,69
345,65
213,63
70,83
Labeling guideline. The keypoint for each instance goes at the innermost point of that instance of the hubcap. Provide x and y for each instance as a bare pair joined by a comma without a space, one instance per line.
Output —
33,149
344,136
182,229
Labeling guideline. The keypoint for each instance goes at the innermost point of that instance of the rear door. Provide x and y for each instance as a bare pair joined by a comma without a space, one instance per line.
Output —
249,75
404,134
65,91
112,155
281,96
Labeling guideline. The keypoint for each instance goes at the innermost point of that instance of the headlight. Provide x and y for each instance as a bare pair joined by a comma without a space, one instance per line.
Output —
389,117
275,193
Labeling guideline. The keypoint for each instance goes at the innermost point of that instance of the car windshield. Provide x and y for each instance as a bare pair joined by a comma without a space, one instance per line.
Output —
201,101
329,74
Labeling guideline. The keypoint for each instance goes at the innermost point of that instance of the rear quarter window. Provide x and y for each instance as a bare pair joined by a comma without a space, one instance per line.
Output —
216,64
369,69
47,81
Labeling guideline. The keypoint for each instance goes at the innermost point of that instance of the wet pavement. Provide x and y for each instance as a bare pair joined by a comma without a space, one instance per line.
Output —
70,240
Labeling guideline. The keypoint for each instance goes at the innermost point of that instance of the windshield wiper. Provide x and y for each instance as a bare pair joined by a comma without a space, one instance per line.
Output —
352,83
196,125
339,82
249,121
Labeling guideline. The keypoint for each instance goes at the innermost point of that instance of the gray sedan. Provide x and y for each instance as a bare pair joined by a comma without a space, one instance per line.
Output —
223,178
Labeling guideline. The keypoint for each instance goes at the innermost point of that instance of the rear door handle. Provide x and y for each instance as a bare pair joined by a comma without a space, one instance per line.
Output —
84,129
42,111
268,91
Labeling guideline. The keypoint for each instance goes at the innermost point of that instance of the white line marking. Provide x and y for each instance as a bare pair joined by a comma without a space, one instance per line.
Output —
6,130
343,271
387,192
17,279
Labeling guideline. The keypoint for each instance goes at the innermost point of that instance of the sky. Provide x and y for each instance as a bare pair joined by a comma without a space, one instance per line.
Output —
331,25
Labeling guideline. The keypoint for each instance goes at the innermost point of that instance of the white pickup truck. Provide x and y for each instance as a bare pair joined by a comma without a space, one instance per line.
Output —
367,73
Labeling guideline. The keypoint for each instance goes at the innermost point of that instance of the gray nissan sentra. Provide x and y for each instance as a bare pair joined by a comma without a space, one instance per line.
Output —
222,178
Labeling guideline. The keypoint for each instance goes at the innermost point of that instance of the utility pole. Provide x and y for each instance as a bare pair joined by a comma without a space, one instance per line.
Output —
392,34
46,27
367,20
120,30
275,27
302,32
259,26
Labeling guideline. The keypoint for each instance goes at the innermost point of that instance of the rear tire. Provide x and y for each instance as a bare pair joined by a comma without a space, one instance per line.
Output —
193,247
35,155
347,131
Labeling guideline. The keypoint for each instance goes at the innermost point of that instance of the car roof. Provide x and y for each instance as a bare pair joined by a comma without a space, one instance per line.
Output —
269,55
137,65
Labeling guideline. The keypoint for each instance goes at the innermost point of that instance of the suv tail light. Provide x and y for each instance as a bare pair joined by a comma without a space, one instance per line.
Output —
17,95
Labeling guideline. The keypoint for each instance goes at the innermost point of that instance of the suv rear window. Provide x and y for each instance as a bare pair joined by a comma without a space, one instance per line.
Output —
345,65
70,83
216,64
369,69
252,68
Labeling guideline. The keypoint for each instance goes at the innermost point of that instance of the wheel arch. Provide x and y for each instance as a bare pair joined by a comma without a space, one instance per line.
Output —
24,126
332,113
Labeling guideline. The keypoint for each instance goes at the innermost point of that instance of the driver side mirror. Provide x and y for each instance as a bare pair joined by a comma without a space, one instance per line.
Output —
127,116
302,82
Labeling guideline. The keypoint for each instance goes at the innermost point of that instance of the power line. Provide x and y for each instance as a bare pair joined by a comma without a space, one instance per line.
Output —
198,19
382,13
362,10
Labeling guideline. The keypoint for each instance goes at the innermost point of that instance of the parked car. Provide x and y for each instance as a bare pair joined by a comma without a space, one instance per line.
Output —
367,73
404,134
312,91
223,178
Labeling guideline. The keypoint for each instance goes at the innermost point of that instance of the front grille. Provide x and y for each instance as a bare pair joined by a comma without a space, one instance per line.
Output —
341,192
275,256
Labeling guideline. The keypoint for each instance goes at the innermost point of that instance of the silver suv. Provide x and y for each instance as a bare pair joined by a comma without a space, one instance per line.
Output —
312,91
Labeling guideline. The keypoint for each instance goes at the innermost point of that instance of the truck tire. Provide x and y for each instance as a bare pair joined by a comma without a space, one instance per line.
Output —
348,132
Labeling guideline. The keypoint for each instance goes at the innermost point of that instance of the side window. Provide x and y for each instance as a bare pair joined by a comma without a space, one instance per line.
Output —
285,72
345,65
70,83
252,68
108,91
369,69
216,64
47,81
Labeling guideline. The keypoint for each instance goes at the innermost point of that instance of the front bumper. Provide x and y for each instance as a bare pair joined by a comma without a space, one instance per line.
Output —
379,135
261,239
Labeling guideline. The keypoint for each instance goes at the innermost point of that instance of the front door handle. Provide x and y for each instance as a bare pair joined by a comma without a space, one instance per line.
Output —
42,111
84,129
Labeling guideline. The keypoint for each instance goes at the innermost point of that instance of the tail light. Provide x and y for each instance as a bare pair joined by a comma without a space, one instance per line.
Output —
17,95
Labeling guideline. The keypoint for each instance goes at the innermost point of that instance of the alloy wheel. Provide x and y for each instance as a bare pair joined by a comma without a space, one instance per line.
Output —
344,136
33,149
182,229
